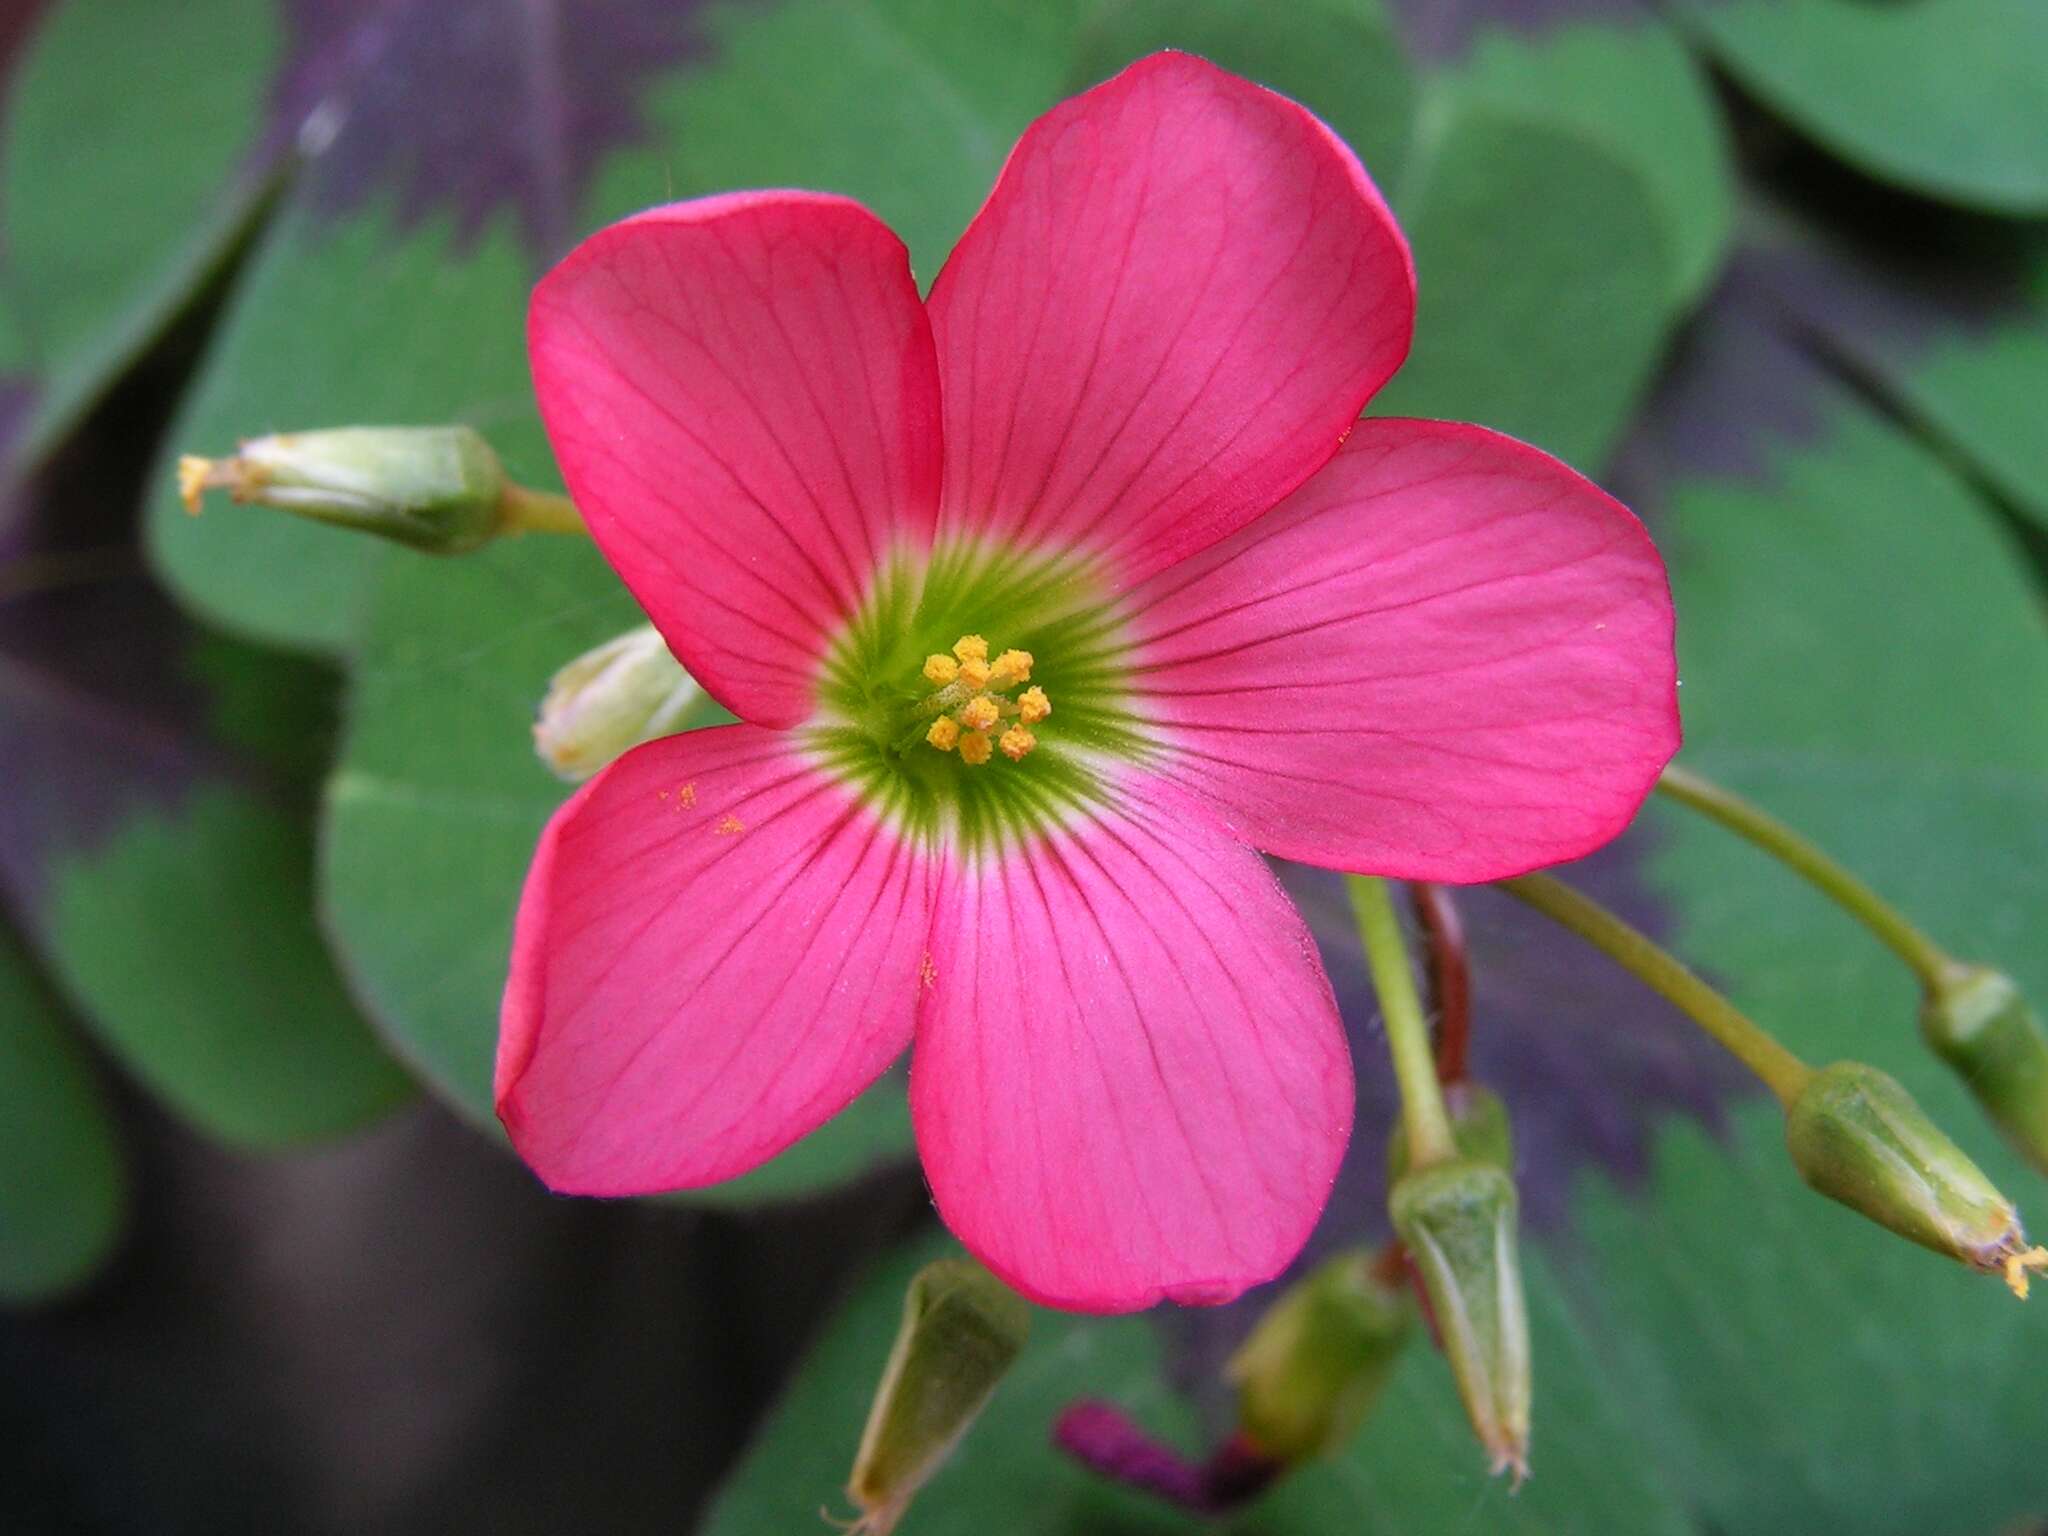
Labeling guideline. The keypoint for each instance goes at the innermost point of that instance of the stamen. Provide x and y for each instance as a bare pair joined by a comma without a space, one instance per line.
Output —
974,673
1016,742
940,670
944,734
1010,669
1033,706
971,648
974,748
980,713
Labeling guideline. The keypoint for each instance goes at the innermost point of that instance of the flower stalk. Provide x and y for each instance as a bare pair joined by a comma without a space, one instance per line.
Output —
1972,1016
1422,1101
1748,1042
1450,978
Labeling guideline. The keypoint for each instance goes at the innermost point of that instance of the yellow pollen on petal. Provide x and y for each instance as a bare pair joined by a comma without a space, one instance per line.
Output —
971,648
1033,706
940,670
944,734
1017,741
975,748
1009,669
980,713
974,674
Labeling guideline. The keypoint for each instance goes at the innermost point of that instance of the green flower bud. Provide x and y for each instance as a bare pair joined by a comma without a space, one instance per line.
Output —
608,701
1857,1137
437,489
1479,1125
1978,1023
961,1330
1457,1221
1319,1358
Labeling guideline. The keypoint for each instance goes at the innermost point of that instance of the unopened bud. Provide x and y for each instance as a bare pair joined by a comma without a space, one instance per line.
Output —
1857,1137
1319,1358
1980,1024
1479,1126
961,1330
437,489
1457,1221
607,701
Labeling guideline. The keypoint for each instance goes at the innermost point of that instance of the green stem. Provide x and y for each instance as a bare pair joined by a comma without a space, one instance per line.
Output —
1422,1098
1932,964
521,509
1782,1072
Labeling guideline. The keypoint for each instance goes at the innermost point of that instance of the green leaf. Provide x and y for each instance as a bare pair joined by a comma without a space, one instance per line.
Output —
134,152
1945,97
1636,91
387,306
63,1181
160,857
1542,268
1338,58
1862,653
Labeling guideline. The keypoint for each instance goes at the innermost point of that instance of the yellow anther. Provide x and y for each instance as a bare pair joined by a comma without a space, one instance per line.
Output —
1016,742
1009,669
980,712
975,748
1033,706
2017,1265
944,734
940,670
974,673
971,648
194,475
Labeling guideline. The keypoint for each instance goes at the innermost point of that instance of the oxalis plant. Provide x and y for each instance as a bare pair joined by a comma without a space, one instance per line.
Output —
1036,610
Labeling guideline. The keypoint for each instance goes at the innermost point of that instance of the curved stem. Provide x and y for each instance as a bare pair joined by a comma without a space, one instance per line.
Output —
521,509
1781,1071
1422,1098
1929,961
1450,978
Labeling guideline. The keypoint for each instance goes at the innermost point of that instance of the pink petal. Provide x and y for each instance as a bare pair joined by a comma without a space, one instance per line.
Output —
716,950
743,398
1177,299
1446,657
1129,1082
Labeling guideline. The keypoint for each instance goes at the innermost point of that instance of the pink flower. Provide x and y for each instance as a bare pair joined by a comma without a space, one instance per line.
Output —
1121,436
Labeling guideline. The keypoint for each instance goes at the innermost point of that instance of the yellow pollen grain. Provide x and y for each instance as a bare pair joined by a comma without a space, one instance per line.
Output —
1010,669
730,826
971,648
1016,742
944,734
975,748
980,712
974,674
2017,1265
940,670
1033,706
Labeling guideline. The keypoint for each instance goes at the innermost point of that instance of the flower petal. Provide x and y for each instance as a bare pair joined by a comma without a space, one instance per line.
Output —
1177,299
742,395
716,950
1129,1082
1446,657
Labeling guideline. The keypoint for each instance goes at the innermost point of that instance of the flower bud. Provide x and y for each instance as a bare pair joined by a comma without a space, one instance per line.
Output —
961,1330
1457,1221
1857,1137
1318,1359
1978,1023
436,489
607,701
1479,1125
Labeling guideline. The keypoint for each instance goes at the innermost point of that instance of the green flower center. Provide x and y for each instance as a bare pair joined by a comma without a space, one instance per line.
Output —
945,734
